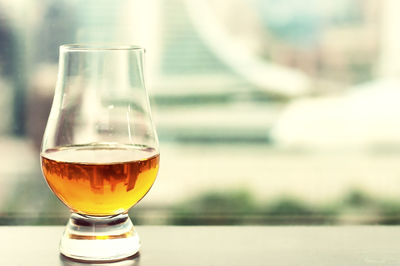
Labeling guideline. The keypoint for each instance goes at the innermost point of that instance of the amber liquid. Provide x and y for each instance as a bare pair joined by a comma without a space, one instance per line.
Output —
100,179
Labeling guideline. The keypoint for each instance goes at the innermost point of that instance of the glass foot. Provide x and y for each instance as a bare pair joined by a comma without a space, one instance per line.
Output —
106,238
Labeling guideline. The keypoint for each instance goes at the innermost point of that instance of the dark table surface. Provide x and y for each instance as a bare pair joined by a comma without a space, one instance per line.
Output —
212,245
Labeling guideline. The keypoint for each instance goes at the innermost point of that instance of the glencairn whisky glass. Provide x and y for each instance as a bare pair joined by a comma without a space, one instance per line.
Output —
100,152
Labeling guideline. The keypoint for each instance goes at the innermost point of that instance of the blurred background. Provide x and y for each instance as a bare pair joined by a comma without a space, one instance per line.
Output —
268,111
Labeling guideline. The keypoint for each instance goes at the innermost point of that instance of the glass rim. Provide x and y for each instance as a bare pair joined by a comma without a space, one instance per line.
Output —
100,47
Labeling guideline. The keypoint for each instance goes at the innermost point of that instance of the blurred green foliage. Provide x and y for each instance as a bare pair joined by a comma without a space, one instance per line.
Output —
238,207
288,206
215,207
225,207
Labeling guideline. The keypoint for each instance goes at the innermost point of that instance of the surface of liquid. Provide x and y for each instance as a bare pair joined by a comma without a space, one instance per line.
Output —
100,179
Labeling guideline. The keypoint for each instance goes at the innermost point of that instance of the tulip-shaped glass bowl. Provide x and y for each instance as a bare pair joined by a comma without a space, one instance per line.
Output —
100,152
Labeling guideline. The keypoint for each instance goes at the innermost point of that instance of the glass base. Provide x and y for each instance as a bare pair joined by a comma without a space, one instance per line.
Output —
92,238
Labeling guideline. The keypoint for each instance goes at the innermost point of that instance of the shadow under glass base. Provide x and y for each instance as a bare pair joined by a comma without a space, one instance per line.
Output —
90,238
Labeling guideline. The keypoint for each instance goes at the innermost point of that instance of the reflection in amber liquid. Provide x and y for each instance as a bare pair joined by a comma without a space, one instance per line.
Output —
100,180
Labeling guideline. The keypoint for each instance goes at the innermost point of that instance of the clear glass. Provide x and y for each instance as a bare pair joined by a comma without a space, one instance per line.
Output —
100,153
